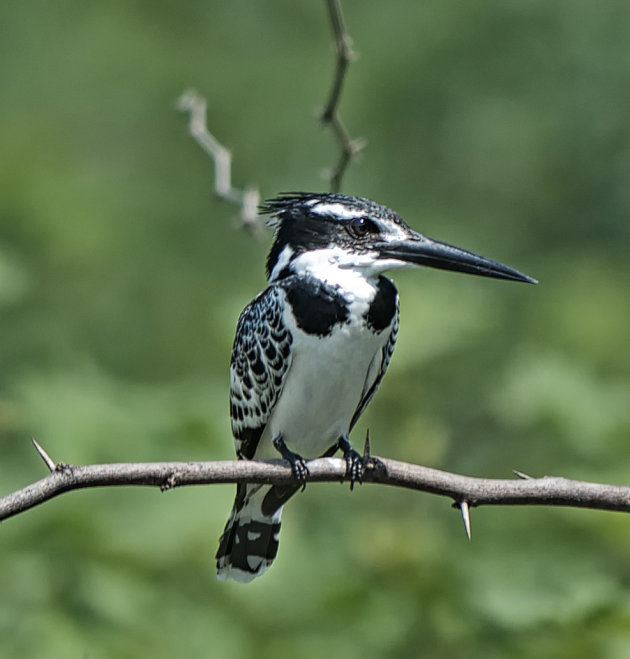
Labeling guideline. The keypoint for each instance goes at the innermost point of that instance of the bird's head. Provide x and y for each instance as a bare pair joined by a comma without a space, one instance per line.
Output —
340,231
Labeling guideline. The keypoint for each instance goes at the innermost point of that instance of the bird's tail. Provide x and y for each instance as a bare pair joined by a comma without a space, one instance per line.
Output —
249,542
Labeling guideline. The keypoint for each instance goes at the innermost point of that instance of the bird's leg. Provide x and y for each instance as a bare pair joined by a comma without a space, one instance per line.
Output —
297,462
354,461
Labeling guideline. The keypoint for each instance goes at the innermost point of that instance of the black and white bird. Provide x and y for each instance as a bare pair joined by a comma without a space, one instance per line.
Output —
312,348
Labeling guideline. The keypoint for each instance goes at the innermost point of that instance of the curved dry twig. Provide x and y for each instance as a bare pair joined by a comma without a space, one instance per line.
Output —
465,491
330,113
246,199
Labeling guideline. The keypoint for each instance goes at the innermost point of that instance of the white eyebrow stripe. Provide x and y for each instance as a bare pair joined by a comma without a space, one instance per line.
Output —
338,210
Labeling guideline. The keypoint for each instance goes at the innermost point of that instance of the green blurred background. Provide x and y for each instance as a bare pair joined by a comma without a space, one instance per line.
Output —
499,125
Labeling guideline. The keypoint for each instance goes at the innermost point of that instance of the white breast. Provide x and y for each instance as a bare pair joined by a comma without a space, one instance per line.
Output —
327,379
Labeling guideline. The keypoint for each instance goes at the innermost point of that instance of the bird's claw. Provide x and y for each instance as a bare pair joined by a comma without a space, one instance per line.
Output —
300,471
354,466
298,463
354,462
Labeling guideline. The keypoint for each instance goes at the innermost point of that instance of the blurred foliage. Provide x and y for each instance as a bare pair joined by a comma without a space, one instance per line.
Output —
502,126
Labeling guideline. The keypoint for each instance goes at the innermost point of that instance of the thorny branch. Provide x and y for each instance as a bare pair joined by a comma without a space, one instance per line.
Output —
330,113
465,491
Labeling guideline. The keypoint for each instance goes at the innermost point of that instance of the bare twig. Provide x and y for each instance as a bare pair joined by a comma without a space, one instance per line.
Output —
550,491
330,113
247,199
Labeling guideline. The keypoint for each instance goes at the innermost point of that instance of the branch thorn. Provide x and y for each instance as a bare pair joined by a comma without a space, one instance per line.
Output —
521,475
50,463
465,510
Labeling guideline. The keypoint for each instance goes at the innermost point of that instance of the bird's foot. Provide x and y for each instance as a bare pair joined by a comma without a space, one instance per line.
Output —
354,462
297,462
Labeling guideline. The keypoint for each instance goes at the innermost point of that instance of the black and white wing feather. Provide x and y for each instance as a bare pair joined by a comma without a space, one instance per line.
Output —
261,357
373,381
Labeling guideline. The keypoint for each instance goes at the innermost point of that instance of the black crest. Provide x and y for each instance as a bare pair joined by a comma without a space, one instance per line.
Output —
296,205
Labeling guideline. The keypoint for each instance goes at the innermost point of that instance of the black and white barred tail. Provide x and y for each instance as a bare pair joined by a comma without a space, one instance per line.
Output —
249,542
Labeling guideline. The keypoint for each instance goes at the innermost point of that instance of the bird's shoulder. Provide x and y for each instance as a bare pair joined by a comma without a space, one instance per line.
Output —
384,305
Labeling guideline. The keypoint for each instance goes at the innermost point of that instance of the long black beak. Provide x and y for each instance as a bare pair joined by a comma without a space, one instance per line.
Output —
435,254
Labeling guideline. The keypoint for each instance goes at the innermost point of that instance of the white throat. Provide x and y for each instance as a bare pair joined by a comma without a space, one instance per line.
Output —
334,266
338,267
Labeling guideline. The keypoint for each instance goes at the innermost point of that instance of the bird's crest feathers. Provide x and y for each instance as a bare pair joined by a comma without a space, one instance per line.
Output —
293,205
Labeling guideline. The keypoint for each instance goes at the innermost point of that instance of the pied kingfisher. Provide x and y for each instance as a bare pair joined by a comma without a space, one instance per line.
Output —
312,348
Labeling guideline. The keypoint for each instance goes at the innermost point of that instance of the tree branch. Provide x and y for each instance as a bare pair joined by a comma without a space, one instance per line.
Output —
330,113
465,491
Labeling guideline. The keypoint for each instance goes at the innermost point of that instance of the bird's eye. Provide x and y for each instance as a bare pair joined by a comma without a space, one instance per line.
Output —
361,226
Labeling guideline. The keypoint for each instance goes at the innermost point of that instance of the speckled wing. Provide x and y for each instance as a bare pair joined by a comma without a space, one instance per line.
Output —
376,375
261,356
